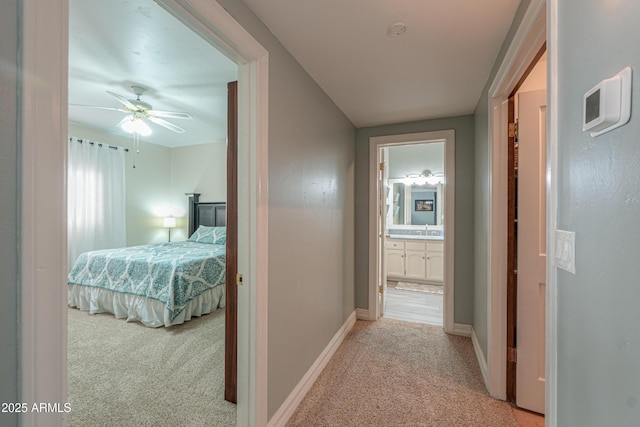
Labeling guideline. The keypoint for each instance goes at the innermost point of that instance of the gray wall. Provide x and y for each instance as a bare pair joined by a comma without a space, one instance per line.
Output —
311,215
481,191
415,158
464,156
9,172
423,217
599,199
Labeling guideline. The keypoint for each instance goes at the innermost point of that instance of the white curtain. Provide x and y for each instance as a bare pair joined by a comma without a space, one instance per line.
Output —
96,198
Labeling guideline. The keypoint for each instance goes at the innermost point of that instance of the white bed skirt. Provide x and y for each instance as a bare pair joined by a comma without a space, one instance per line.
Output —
151,313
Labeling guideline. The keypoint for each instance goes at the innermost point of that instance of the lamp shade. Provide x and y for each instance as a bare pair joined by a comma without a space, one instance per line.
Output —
135,124
169,222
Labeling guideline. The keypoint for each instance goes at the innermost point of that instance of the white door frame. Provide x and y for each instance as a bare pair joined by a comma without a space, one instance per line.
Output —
529,38
375,143
43,328
551,315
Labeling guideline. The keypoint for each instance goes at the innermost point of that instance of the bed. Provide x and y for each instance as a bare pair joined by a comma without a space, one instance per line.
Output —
162,284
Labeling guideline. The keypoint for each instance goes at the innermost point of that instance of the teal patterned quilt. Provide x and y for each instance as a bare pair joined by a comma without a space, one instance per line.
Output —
173,273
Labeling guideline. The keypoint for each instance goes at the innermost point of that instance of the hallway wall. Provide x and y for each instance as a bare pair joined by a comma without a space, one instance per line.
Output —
311,215
598,199
9,186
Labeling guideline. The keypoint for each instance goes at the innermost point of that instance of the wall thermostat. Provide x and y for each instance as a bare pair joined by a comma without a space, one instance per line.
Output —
608,104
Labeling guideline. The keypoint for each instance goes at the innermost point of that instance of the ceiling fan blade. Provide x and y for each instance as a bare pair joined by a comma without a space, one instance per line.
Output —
100,108
170,114
124,101
166,124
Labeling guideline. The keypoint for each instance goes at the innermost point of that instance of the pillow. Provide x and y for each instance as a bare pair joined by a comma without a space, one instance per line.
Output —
213,235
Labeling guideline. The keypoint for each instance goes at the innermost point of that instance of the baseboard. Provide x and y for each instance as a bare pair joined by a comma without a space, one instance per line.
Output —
462,329
363,314
482,361
282,416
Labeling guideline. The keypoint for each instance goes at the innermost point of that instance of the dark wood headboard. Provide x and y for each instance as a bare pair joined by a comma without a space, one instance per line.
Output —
212,214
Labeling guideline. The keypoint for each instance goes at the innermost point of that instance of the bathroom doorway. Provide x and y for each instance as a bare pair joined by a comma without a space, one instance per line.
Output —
412,228
414,231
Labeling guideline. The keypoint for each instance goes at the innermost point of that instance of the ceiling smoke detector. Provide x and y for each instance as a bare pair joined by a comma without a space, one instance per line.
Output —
396,29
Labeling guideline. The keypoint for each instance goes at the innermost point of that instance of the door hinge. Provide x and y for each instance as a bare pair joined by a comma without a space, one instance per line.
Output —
513,130
512,355
381,166
239,279
381,289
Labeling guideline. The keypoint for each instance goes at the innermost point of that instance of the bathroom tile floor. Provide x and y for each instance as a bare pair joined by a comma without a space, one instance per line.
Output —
414,306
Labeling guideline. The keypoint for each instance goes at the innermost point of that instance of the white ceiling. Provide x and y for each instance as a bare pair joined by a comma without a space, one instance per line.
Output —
437,68
114,44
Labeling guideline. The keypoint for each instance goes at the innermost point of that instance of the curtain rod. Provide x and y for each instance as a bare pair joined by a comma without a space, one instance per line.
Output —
126,150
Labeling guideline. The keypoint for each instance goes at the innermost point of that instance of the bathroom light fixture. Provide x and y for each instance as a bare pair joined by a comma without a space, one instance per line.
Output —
426,177
169,222
415,179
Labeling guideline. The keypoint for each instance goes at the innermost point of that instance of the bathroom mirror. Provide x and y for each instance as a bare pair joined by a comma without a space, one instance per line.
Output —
414,181
414,204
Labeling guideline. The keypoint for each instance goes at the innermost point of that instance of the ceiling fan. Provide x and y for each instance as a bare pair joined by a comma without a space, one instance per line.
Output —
138,111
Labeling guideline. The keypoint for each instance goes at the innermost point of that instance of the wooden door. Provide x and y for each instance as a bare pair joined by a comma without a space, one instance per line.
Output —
531,250
231,309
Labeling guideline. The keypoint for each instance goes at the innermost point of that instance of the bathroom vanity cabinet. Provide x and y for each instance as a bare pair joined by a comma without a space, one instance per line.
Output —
415,259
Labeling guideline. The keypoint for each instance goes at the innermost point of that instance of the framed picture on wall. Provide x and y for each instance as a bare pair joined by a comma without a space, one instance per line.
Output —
425,205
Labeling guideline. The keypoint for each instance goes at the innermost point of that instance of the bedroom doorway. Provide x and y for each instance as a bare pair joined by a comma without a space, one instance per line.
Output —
145,161
231,306
43,352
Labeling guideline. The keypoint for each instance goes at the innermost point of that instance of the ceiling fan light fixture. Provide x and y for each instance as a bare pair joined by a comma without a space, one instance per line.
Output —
135,124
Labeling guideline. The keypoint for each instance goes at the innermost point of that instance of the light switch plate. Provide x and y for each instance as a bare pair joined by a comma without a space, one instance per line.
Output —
566,250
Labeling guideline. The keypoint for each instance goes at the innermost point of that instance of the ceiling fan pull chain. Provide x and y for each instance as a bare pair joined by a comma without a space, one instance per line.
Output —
136,146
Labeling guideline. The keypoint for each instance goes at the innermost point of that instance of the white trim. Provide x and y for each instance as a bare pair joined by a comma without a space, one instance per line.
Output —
363,314
375,143
497,258
462,329
551,321
43,229
482,362
374,280
45,55
282,416
526,43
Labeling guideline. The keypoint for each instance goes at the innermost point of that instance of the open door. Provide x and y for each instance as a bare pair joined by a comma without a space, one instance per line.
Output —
531,250
383,192
231,308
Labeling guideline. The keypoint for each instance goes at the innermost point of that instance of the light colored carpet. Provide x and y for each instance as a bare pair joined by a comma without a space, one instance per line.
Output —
125,374
395,373
420,287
